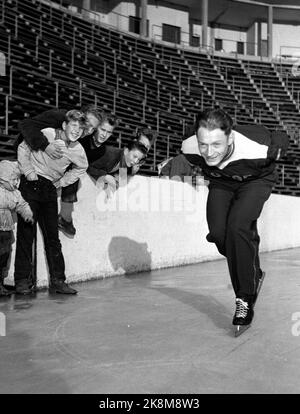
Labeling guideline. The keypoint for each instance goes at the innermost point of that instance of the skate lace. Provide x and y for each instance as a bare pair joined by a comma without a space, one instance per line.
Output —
241,308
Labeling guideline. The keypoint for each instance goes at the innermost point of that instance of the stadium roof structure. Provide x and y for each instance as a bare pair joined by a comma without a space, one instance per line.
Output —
241,14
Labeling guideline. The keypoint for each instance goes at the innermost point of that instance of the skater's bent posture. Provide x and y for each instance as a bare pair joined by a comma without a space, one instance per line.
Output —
240,166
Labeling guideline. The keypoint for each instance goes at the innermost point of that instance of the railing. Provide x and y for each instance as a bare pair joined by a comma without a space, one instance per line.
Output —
121,24
116,91
86,54
99,18
73,50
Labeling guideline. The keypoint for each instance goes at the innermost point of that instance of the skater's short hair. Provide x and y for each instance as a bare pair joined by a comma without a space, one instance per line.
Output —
75,115
214,119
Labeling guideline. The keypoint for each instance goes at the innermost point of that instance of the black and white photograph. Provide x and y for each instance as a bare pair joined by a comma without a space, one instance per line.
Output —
149,200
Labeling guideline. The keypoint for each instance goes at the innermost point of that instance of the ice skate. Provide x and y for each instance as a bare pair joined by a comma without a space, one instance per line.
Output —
239,329
243,316
242,322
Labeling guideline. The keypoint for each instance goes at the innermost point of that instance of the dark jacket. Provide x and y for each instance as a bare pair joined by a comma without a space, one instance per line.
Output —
111,160
30,128
92,151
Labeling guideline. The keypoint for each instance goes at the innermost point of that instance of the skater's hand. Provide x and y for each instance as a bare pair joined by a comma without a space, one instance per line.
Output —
54,150
32,176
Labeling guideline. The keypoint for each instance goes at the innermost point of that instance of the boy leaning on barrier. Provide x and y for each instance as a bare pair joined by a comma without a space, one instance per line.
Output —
42,175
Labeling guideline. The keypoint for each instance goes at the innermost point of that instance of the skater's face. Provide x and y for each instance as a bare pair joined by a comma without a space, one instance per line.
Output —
73,130
104,131
133,157
214,145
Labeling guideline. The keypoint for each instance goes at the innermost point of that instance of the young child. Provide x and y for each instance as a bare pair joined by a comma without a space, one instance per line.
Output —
10,200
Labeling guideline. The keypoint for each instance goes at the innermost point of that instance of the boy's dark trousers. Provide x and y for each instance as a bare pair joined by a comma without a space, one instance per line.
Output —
6,241
3,265
69,193
42,198
232,213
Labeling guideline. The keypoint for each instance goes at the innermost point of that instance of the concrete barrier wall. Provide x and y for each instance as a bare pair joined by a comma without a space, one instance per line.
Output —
152,223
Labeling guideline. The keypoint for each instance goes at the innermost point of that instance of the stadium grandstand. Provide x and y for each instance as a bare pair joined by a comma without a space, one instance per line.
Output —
126,57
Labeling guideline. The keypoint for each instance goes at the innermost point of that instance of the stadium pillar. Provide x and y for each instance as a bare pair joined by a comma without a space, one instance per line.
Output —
144,4
259,39
270,32
204,22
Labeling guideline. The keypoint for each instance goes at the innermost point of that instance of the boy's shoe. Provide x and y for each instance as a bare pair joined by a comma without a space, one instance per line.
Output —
59,286
22,287
66,226
244,312
4,291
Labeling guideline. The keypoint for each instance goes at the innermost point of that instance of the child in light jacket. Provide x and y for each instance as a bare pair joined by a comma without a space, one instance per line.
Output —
10,200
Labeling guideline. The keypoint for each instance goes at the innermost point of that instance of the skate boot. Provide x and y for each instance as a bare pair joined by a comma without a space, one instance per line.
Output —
243,315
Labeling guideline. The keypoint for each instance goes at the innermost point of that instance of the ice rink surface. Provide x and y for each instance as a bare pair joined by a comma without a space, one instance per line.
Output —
166,331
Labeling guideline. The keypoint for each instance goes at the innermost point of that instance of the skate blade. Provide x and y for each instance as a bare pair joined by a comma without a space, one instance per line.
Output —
260,282
239,329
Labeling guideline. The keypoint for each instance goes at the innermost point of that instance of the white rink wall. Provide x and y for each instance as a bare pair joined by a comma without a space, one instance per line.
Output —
151,224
